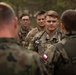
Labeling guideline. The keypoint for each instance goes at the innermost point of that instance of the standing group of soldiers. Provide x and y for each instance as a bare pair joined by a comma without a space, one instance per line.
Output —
46,33
48,49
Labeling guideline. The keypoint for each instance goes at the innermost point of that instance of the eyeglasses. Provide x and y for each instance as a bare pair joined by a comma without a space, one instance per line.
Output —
51,21
25,19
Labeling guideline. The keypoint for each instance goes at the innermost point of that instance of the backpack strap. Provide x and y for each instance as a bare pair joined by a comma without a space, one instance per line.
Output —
36,41
41,35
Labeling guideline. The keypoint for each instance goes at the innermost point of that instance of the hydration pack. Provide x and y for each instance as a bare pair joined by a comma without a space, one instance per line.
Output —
67,64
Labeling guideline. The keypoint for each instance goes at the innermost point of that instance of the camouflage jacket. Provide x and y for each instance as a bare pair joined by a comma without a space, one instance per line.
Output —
14,60
57,56
22,33
42,40
30,35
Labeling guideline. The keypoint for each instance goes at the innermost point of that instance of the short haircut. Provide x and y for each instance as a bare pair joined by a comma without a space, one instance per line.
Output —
24,14
52,13
68,18
6,12
42,12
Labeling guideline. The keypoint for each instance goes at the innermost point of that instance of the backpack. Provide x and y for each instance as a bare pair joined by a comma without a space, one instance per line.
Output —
66,66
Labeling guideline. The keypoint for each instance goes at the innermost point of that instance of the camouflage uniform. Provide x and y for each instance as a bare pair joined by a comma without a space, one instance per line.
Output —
42,41
14,60
30,35
59,55
22,34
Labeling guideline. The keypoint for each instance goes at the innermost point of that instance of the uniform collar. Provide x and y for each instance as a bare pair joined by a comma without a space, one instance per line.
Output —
51,36
70,35
12,40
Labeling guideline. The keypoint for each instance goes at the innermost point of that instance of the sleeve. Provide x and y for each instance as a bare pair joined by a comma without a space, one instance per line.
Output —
39,64
31,44
27,39
52,57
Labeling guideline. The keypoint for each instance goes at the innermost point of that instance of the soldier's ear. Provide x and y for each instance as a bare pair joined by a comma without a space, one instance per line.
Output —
62,27
15,22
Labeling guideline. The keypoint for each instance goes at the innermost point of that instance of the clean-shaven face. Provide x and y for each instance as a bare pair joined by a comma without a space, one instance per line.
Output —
25,21
51,23
41,20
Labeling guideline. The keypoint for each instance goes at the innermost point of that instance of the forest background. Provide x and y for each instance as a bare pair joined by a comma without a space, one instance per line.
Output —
32,6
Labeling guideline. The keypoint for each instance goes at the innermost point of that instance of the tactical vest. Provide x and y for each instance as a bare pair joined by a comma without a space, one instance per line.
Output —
67,64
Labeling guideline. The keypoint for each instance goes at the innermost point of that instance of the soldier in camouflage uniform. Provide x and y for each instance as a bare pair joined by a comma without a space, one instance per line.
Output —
24,28
61,57
14,60
40,18
50,35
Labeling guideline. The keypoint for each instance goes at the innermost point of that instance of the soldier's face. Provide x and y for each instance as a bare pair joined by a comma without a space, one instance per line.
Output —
25,21
51,23
41,20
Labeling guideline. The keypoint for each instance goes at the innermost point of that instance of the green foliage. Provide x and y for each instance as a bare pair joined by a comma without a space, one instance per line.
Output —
35,5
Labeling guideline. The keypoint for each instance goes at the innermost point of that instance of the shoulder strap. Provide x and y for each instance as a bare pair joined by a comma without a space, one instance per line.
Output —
41,35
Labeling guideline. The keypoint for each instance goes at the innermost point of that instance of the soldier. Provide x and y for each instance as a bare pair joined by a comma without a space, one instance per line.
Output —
15,60
61,57
24,27
40,18
50,35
